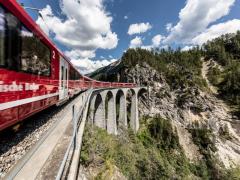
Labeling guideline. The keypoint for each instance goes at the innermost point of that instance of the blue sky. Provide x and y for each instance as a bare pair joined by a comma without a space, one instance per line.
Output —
94,33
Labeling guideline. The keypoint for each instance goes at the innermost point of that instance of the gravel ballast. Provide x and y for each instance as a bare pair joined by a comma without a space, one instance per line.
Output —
14,145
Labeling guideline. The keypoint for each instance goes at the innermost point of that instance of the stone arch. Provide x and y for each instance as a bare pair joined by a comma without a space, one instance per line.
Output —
121,101
111,112
99,111
143,94
92,109
143,101
142,91
132,95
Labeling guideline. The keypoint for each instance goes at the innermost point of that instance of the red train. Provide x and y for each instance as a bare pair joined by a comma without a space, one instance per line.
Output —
34,74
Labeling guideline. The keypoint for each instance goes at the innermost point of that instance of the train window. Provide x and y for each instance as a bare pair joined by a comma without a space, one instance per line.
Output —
20,49
2,36
12,41
77,77
35,55
62,77
72,74
66,73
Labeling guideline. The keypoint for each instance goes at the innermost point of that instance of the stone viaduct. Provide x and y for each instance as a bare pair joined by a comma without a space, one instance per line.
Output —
110,108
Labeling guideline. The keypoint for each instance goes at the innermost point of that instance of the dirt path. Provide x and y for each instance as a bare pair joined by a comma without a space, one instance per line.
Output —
220,103
205,69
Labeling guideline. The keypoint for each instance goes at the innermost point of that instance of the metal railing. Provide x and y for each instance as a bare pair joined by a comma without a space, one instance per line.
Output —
72,145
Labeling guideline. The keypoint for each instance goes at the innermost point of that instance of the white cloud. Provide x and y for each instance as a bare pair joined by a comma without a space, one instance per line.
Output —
87,25
156,40
187,48
196,16
164,47
86,65
86,28
125,17
139,28
136,42
82,61
150,47
75,54
110,56
49,19
217,30
169,27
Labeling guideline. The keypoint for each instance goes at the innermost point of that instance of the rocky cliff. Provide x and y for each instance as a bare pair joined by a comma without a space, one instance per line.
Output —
188,107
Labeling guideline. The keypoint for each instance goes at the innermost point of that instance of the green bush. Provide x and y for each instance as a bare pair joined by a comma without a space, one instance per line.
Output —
214,76
153,153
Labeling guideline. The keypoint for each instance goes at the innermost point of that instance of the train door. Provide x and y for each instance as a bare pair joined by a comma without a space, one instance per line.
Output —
63,79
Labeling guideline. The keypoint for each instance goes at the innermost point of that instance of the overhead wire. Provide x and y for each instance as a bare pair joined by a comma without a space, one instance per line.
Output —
39,14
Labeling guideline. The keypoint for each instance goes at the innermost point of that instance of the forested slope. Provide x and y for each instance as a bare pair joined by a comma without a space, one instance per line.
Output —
225,51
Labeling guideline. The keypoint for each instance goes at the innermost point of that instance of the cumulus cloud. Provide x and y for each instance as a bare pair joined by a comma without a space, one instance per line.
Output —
81,59
156,40
187,48
136,42
87,25
147,47
217,30
85,28
196,16
75,54
139,28
86,65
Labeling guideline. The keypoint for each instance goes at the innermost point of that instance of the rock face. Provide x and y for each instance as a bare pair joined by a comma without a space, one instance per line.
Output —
186,107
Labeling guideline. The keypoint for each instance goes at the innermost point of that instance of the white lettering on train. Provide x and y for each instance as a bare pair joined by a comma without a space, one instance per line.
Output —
13,87
31,87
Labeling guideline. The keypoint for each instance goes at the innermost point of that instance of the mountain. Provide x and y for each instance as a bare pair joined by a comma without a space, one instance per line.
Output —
106,73
193,109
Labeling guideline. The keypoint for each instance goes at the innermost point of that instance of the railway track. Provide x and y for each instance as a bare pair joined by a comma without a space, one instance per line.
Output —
50,149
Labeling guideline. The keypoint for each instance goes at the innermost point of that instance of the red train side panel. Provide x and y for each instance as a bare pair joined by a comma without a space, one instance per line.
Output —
29,66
